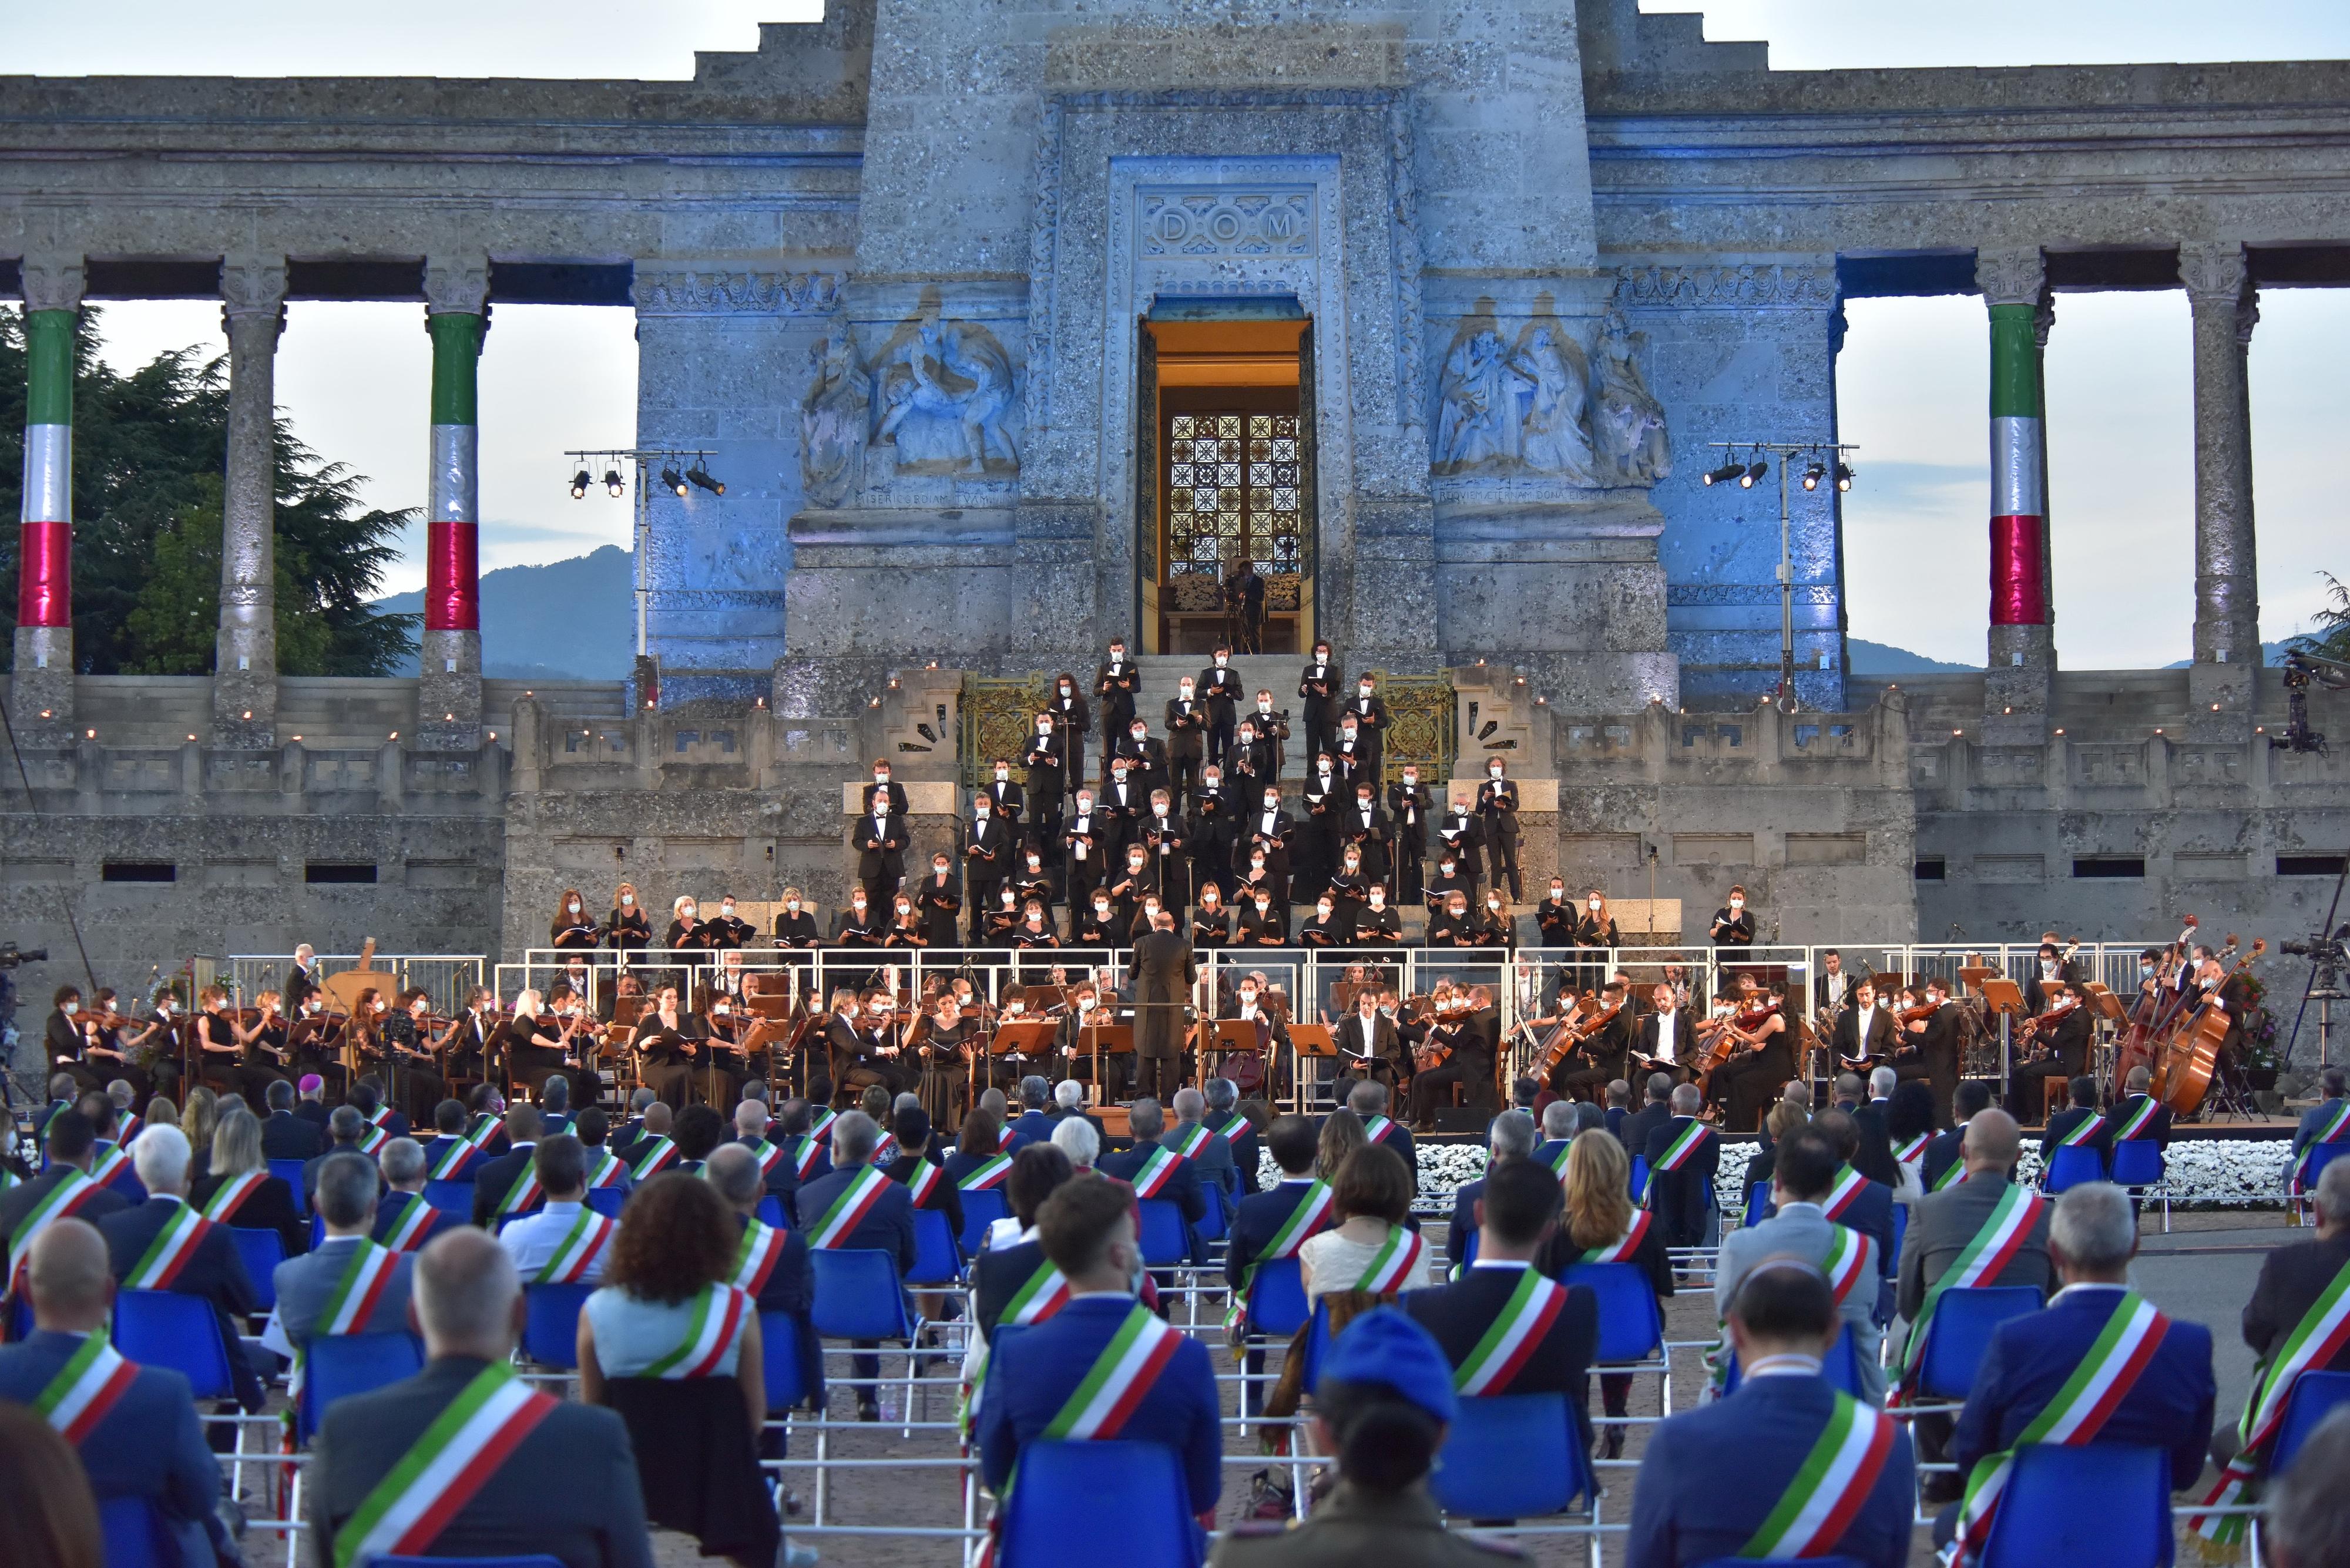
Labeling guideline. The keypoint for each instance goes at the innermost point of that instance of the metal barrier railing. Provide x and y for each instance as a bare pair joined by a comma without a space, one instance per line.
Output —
444,978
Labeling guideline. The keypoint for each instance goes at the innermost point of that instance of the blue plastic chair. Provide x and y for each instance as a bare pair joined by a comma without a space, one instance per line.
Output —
1165,1244
779,1352
2138,1162
162,1328
857,1295
550,1330
2315,1158
1841,1367
336,1366
291,1169
1961,1332
135,1534
262,1251
1758,1203
2042,1520
609,1201
2314,1397
1073,1497
771,1211
1276,1299
1630,1326
1469,1249
1217,1223
2072,1166
1640,1179
935,1262
1513,1456
982,1207
451,1196
318,1230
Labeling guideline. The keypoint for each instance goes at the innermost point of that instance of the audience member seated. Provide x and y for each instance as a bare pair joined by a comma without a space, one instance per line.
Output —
2309,1508
285,1136
1510,1136
1683,1156
1806,1171
567,1485
1602,1225
509,1184
47,1516
238,1190
164,1244
566,1243
350,1284
71,1143
403,1221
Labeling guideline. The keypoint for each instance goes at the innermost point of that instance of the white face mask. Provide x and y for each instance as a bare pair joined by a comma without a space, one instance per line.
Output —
1185,689
575,905
627,899
982,813
1410,781
1322,910
1065,688
1379,895
1248,998
1322,767
1364,690
793,905
1138,735
1084,806
1492,903
1101,909
857,904
880,778
687,913
1003,775
1273,803
1495,773
1044,728
1596,905
1738,903
905,909
1265,705
71,1008
1220,661
936,871
1211,784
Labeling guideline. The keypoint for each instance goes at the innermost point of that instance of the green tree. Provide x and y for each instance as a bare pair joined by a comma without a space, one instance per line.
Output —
150,449
2333,642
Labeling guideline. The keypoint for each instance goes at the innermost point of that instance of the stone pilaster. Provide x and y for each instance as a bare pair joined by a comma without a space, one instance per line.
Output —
41,692
449,695
2021,643
2221,682
245,656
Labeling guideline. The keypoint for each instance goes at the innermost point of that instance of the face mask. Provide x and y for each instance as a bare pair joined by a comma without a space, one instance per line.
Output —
1002,774
1272,803
1596,905
1007,900
1495,773
1349,732
1738,903
1265,707
1248,996
687,913
1065,688
1410,779
857,904
1101,911
71,1008
2146,969
1492,903
1219,661
1034,864
1210,783
1379,895
627,899
1044,729
1138,735
1185,689
1084,806
575,905
1353,866
1364,690
982,813
1322,767
937,870
1322,910
793,905
905,909
880,778
1159,807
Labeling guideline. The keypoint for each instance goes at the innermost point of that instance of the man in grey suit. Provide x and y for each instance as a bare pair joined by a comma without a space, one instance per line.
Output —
346,1197
1802,1177
1944,1222
568,1489
1164,971
1214,1156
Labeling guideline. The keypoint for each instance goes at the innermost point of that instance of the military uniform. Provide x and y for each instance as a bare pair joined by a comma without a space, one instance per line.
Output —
1353,1526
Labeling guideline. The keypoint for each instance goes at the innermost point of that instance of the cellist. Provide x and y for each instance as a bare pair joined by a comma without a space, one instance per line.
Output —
2059,1038
1603,1042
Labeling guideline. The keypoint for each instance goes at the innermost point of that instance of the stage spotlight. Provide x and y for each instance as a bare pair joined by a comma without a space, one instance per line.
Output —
1844,477
670,478
612,485
1754,471
1725,473
1813,472
579,485
701,475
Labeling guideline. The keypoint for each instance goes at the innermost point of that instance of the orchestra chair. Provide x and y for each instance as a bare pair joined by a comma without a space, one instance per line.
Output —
2040,1518
550,1330
2049,1089
2139,1165
1631,1327
262,1251
1841,1367
860,1296
1512,1457
982,1207
336,1366
609,1201
1075,1496
449,1196
1960,1333
135,1535
2070,1166
779,1353
290,1170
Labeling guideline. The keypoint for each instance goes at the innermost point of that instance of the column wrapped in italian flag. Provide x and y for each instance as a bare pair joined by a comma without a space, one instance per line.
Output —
44,538
451,546
2018,508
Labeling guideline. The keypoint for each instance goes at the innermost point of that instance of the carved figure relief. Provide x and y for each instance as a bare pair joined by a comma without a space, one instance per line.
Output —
1535,407
1634,445
1478,421
1558,432
835,418
949,396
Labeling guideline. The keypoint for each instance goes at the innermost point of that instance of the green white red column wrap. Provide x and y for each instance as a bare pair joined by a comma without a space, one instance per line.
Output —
44,532
452,548
2018,445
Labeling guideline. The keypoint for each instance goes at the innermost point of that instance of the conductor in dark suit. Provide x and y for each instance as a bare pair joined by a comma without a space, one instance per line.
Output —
568,1490
1164,973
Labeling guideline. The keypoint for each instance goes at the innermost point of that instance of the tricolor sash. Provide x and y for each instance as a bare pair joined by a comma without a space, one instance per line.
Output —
1559,1161
408,1234
1233,1130
823,1123
1191,1140
454,1458
2138,1121
2091,1124
1849,1184
848,1210
1377,1129
659,1155
709,1333
85,1389
372,1139
1045,1293
924,1180
377,1117
1121,1379
2003,1235
994,1169
221,1206
1847,1250
108,1164
485,1129
607,1170
2315,1341
1914,1151
1158,1168
1831,1487
1624,1250
2335,1131
1312,1213
768,1155
1525,1318
763,1246
356,1294
1397,1265
130,1127
454,1158
1951,1178
525,1193
2104,1379
803,1156
168,1254
73,1190
581,1249
1689,1140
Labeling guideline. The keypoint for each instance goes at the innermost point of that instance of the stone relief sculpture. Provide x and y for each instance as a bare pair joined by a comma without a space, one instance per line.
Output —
1557,438
1478,421
948,390
835,418
1629,423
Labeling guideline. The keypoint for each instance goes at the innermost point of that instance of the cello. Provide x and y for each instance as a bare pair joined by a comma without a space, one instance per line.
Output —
2188,1056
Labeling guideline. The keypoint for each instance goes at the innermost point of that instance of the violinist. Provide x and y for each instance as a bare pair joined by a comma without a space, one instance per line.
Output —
2048,976
1086,1011
1733,923
463,1047
220,1053
1456,1051
1212,923
399,1037
879,1036
1864,1032
572,926
533,1045
1368,1043
2059,1049
943,1042
67,1036
122,1048
575,1032
627,929
1930,1048
1603,1042
264,1042
1763,1059
315,1041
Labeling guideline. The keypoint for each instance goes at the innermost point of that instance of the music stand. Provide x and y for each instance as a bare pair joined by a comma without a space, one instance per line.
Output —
1100,1040
1026,1038
1972,975
2005,1000
1309,1040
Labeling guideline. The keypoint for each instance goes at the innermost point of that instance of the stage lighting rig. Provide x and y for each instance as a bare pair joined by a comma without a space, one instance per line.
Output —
1817,457
1814,471
613,484
1725,473
669,477
700,476
579,485
1753,474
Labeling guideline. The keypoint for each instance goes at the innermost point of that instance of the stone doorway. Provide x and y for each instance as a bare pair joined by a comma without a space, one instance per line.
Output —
1227,418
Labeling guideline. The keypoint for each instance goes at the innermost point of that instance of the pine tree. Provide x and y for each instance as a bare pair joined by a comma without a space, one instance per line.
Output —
149,451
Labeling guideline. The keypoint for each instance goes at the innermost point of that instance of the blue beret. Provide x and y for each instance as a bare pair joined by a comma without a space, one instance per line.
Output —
1383,1345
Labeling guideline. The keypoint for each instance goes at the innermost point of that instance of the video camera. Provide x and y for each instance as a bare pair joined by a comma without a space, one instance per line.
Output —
11,955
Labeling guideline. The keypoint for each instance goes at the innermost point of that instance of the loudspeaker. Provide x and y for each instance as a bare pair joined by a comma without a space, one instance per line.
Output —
1461,1119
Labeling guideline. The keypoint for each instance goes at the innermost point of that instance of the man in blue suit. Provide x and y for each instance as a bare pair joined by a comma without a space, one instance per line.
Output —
1866,1206
136,1431
377,1301
1512,1136
153,1246
1155,1170
2031,1358
1167,1395
1767,1435
403,1219
1558,1128
1032,1123
1684,1156
855,1207
1238,1132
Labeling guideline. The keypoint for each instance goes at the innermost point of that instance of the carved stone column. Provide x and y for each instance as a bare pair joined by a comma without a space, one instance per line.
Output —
41,695
2021,666
245,656
2227,584
448,694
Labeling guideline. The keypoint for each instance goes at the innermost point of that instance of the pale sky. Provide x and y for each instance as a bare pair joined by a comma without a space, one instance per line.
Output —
1911,381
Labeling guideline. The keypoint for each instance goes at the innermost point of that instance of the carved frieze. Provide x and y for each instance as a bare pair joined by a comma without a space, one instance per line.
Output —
2213,271
696,291
947,396
1726,287
1225,221
1538,402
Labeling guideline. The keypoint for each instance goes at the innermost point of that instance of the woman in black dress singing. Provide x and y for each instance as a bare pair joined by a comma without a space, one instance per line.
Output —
573,927
629,929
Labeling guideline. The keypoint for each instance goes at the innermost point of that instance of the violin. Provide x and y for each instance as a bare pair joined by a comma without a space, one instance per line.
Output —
1923,1012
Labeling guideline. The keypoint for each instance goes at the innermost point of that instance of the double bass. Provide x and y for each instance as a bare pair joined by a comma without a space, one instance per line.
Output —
2187,1057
